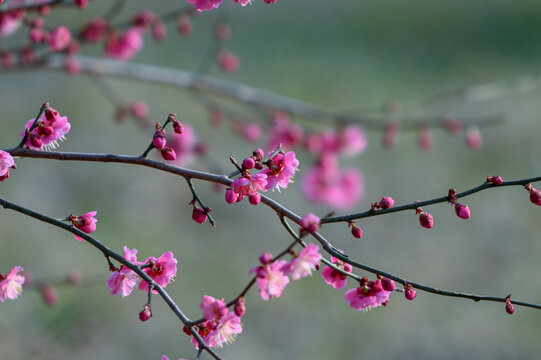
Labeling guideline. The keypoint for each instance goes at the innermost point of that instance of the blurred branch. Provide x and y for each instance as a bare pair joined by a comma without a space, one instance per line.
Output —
244,94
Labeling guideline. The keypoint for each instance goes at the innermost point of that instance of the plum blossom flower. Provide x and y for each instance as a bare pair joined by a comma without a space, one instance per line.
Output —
59,38
249,185
367,296
284,133
183,144
205,5
326,183
11,284
333,277
86,223
124,47
50,128
271,279
10,21
303,264
124,280
6,162
243,2
162,270
213,309
216,334
310,222
280,171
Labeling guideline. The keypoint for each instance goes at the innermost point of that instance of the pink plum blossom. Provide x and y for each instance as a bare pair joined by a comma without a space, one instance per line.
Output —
59,38
303,264
124,280
310,222
228,61
280,170
95,30
249,185
205,5
47,132
271,279
124,47
183,144
243,2
213,309
367,296
6,162
11,285
353,140
162,270
325,183
10,21
218,334
284,133
86,223
333,277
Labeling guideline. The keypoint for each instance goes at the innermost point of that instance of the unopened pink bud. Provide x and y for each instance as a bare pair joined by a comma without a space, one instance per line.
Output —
462,211
230,196
426,220
310,222
386,202
158,140
266,258
474,140
145,314
51,114
248,163
410,294
159,32
45,130
259,154
356,232
168,153
199,215
496,180
240,307
424,139
509,308
387,284
254,199
139,110
184,25
535,196
177,127
223,31
35,141
49,294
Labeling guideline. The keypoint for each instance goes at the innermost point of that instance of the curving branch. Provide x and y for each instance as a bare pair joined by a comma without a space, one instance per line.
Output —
241,93
282,211
110,253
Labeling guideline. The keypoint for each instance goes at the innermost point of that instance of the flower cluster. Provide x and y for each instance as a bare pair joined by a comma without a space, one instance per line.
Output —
162,270
159,140
277,172
220,326
272,275
46,131
370,294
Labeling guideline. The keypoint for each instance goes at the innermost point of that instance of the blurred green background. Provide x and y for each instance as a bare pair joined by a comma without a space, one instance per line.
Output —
340,54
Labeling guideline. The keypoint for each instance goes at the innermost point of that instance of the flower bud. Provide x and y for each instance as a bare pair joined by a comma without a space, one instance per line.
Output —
199,215
240,307
410,293
509,308
177,126
388,284
248,163
158,140
386,202
74,277
356,232
168,153
426,220
310,222
496,180
49,294
230,196
51,115
254,199
259,154
145,314
535,196
462,211
266,258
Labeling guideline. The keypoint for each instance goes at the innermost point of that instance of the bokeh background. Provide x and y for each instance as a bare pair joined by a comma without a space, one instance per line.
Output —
340,54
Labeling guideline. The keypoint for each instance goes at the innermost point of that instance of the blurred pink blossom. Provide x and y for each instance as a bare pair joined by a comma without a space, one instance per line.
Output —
11,285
